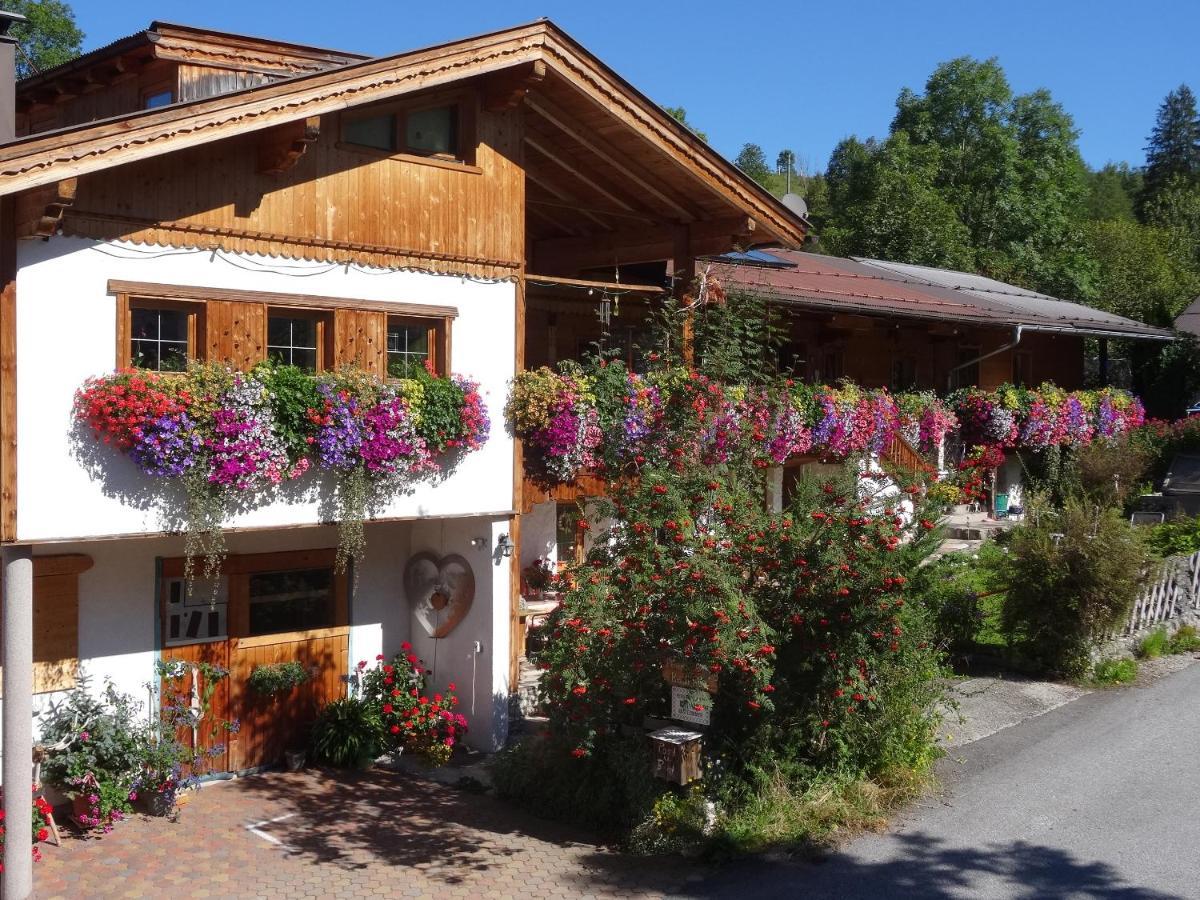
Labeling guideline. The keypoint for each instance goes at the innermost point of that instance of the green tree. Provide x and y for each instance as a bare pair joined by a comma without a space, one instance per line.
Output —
989,182
753,161
50,37
785,162
1174,148
1112,192
1143,272
679,114
883,203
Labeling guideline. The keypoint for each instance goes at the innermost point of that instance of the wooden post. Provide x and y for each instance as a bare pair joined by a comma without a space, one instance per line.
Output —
683,273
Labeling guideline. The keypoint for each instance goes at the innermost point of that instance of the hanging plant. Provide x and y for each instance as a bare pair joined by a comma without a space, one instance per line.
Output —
228,435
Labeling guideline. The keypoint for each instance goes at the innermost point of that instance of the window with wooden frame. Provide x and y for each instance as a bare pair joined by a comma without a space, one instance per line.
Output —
440,127
160,335
163,327
161,95
1022,369
297,337
415,344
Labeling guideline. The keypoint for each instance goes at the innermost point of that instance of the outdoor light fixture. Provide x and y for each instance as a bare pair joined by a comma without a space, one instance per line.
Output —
479,542
504,545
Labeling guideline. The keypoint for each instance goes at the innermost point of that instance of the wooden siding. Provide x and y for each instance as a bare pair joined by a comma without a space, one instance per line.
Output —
198,82
335,204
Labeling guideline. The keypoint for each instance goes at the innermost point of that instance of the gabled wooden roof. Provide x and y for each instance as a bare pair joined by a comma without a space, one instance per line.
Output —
577,77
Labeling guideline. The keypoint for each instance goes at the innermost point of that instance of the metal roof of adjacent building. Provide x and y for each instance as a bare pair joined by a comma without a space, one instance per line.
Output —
1189,319
880,288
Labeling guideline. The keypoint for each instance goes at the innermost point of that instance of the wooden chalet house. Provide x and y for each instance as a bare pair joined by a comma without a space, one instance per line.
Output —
254,198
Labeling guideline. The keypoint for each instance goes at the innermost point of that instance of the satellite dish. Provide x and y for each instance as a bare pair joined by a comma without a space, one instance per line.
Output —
796,204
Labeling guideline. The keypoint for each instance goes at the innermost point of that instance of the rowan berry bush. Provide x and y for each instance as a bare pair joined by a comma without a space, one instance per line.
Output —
822,661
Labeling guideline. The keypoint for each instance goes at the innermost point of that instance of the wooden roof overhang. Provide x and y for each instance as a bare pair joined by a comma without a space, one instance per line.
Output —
640,168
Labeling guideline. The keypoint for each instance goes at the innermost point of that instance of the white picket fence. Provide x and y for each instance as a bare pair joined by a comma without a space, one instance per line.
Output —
1175,592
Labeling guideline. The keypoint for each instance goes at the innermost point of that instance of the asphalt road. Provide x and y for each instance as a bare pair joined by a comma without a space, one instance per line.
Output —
1096,799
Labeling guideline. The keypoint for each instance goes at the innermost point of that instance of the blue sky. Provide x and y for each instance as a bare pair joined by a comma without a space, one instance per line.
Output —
787,75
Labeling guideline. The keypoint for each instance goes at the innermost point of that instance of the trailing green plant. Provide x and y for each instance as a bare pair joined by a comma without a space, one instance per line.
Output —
1115,671
348,733
277,678
1071,576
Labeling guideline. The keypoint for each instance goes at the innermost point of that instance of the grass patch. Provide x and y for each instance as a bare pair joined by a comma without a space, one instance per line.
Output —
781,815
1184,640
1154,645
1114,671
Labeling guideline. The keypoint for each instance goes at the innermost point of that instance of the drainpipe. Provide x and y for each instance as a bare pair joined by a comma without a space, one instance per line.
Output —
1016,339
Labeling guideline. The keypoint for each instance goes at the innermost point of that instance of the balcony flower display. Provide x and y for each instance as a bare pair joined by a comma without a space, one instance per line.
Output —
610,420
228,434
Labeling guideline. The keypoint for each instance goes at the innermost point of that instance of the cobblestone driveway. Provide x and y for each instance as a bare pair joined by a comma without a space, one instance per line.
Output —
372,834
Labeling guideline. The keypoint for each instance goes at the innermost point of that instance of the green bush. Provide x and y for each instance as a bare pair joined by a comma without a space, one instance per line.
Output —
1073,574
348,734
277,678
1178,538
959,591
1155,644
1114,671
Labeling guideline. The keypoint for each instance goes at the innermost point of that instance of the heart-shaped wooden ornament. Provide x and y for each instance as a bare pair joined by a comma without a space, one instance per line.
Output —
441,591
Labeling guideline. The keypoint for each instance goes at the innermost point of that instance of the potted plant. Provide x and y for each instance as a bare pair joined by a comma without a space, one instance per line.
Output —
536,578
166,771
277,678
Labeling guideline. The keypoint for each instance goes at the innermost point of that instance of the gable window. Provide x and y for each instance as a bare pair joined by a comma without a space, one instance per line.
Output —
162,335
413,345
434,131
296,338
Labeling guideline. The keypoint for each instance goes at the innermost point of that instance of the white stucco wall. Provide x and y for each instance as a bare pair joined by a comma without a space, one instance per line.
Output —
66,332
480,674
117,610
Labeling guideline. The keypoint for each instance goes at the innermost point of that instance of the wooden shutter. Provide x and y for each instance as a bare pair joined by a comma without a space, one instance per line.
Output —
56,620
360,339
236,333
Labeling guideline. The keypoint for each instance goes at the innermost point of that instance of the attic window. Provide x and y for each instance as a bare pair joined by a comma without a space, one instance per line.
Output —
432,131
154,99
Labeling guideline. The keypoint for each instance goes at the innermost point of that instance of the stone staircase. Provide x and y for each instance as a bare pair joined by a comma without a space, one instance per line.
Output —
524,714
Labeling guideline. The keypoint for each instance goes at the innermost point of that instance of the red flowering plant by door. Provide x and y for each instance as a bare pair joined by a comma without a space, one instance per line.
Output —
413,720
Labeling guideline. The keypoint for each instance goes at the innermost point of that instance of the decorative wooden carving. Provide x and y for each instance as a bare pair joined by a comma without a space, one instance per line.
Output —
441,591
506,91
40,211
281,148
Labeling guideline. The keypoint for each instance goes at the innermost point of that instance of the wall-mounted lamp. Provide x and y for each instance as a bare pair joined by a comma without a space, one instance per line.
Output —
479,542
504,545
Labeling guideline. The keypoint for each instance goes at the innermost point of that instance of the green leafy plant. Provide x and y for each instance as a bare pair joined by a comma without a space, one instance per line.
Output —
1178,538
348,733
277,678
1115,671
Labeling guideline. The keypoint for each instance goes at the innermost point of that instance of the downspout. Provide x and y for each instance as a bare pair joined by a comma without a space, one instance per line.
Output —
1016,339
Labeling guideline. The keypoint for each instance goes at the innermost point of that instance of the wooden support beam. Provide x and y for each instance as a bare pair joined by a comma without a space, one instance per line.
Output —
39,212
568,200
280,148
566,165
506,91
569,255
605,152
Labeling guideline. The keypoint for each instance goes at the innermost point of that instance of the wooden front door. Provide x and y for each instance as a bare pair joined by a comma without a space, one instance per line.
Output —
272,608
